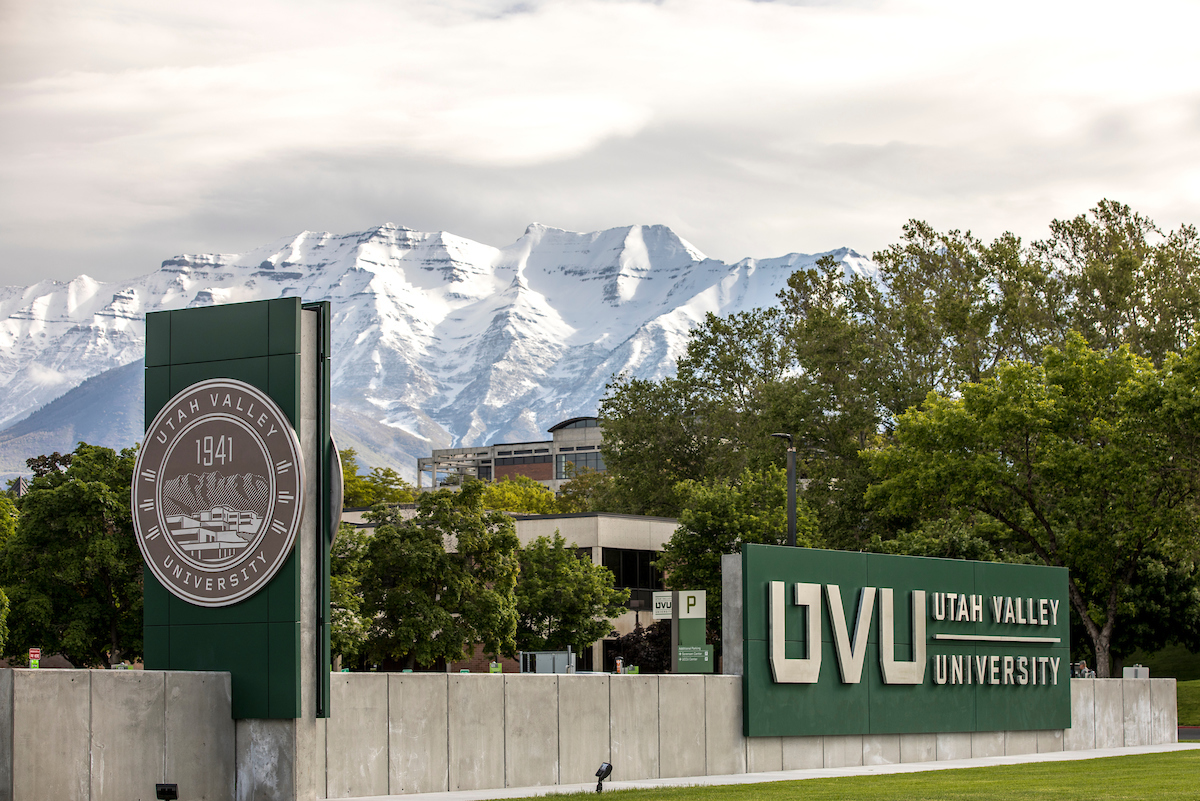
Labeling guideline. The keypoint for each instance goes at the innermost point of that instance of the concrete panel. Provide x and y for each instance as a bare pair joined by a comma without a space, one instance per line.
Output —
1050,740
731,614
918,748
6,734
633,704
51,735
357,728
129,713
681,748
1135,698
987,744
724,745
803,753
531,730
1164,712
476,731
583,723
200,721
1110,714
881,749
266,752
1020,742
764,754
1082,734
843,751
953,745
417,733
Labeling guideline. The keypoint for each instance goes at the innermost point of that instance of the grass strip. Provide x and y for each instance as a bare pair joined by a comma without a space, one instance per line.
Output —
1189,702
1163,777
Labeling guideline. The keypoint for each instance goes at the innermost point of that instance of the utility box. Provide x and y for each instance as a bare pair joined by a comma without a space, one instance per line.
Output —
1136,672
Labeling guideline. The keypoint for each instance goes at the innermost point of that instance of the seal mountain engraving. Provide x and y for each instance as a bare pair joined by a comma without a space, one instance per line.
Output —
218,492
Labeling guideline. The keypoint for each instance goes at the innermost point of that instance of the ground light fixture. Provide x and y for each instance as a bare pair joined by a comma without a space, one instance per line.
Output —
602,774
166,792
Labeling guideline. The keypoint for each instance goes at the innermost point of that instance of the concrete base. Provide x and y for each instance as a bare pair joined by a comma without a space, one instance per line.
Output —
97,735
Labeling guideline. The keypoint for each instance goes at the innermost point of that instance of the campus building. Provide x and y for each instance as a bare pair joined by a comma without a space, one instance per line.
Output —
574,442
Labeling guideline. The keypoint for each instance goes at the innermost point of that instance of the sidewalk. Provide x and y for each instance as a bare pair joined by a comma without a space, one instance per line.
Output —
783,775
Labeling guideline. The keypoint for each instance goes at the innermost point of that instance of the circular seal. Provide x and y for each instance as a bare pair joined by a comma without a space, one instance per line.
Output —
218,492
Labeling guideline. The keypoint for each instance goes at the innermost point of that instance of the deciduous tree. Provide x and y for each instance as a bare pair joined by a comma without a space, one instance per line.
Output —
436,584
72,570
562,598
1089,460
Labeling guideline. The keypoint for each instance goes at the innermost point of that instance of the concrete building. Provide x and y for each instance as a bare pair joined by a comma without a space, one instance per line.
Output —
625,544
575,441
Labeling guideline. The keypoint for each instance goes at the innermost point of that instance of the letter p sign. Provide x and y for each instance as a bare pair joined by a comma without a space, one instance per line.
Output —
692,604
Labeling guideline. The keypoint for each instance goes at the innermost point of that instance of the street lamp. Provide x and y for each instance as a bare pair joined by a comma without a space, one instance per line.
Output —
791,482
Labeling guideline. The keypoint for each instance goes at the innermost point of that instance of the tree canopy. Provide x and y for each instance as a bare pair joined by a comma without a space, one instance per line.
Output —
381,485
861,369
1085,459
562,598
436,584
520,494
72,569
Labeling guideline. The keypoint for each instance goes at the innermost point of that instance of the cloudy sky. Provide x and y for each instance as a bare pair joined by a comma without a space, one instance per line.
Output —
134,130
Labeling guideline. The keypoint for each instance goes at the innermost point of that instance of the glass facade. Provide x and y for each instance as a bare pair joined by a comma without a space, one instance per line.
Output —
591,460
633,570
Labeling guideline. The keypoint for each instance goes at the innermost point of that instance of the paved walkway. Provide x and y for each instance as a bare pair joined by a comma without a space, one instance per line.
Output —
784,775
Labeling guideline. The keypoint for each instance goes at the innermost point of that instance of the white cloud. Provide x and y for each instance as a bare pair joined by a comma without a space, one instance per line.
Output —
133,130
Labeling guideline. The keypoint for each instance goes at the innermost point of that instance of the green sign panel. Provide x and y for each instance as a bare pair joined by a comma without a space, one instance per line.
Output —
837,642
220,501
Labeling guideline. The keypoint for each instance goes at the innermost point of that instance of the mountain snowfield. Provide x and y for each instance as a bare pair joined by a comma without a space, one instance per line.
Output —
438,341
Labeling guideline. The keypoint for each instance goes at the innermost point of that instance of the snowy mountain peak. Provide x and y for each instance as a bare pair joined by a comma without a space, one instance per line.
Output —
437,339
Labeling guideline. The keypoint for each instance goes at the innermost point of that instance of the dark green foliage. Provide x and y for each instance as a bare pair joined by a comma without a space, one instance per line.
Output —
1087,460
435,585
648,648
348,626
72,570
562,598
720,515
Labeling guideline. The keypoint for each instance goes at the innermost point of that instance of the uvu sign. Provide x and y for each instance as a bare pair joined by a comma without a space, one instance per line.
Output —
218,492
932,644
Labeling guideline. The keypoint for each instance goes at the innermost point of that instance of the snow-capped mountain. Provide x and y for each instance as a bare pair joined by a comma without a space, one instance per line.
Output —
438,341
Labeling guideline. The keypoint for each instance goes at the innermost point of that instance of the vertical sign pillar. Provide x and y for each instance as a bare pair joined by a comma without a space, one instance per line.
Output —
233,518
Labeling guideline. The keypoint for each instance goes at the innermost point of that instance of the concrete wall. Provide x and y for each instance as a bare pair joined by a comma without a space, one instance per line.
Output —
1121,713
98,735
95,735
492,731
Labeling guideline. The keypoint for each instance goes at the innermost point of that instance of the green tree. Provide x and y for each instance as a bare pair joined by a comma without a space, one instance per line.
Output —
438,583
381,485
718,517
8,520
520,494
348,626
1087,460
3,622
72,570
562,598
1127,282
657,434
586,490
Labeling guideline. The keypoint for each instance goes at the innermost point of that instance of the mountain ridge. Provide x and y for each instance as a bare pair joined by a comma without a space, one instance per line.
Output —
438,340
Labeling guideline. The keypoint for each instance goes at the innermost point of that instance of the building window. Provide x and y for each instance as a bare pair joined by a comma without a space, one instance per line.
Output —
523,460
589,422
590,461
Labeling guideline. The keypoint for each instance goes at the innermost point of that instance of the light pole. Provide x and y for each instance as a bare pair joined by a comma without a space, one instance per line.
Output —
791,488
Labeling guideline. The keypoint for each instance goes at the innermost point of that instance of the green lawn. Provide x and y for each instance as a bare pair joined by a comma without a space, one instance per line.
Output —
1189,702
1162,777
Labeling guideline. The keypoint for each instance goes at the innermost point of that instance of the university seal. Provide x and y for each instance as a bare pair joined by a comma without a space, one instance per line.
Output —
218,492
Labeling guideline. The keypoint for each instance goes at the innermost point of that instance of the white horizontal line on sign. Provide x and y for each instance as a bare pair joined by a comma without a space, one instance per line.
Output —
986,638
